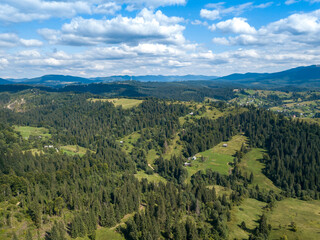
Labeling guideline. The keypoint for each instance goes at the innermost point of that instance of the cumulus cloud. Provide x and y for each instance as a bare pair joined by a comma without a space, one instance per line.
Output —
287,31
13,40
235,25
147,26
29,10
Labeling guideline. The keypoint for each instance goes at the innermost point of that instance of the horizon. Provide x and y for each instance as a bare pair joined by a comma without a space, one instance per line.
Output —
125,75
169,38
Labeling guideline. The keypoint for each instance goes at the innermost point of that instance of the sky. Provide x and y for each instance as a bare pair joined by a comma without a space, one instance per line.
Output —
96,38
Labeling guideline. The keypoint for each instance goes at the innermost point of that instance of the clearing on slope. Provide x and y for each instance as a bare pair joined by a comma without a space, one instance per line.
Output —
251,163
27,131
217,158
126,103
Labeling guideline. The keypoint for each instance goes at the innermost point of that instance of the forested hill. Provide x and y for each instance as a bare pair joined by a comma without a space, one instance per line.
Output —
77,165
302,76
185,91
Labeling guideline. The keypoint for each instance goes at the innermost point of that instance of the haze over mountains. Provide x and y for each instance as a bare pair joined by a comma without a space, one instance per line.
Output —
301,76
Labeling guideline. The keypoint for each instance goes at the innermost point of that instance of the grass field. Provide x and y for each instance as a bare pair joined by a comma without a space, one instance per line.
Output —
151,178
74,149
34,151
108,234
250,163
174,148
129,141
233,145
220,190
152,155
305,214
27,131
216,161
218,157
249,211
126,103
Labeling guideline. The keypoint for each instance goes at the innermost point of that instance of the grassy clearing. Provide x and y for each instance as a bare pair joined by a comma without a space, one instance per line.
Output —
151,178
249,211
174,148
27,131
233,145
216,161
218,157
250,163
220,190
74,149
110,234
129,141
34,151
126,103
306,215
152,155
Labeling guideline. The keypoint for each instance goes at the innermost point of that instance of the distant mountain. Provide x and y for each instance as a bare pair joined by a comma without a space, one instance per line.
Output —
63,80
154,78
301,76
55,80
3,81
305,77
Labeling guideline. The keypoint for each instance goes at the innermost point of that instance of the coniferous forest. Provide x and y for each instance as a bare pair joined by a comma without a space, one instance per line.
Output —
54,193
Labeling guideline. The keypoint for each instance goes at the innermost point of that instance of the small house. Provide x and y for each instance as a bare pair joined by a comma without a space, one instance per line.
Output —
186,164
225,145
194,158
191,113
121,142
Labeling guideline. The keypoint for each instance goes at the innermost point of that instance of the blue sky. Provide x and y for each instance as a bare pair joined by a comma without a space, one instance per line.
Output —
170,37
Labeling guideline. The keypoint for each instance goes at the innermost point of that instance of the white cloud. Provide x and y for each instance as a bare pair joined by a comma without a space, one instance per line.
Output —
220,41
235,25
289,2
3,62
210,14
198,22
147,26
297,24
8,40
219,10
138,4
29,10
31,42
107,8
297,29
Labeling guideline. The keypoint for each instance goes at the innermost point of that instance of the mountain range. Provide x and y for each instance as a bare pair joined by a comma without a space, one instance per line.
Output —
301,76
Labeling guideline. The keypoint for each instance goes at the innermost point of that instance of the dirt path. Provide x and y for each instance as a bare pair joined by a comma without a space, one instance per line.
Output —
151,166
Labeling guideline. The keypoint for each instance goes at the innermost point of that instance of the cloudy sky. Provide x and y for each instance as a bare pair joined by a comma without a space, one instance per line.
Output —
170,37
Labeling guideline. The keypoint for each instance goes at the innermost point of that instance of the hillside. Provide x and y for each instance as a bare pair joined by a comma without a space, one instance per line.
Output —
79,166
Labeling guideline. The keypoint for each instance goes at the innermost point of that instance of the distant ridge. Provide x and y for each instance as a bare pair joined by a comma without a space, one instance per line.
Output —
3,81
297,77
52,80
301,76
62,80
